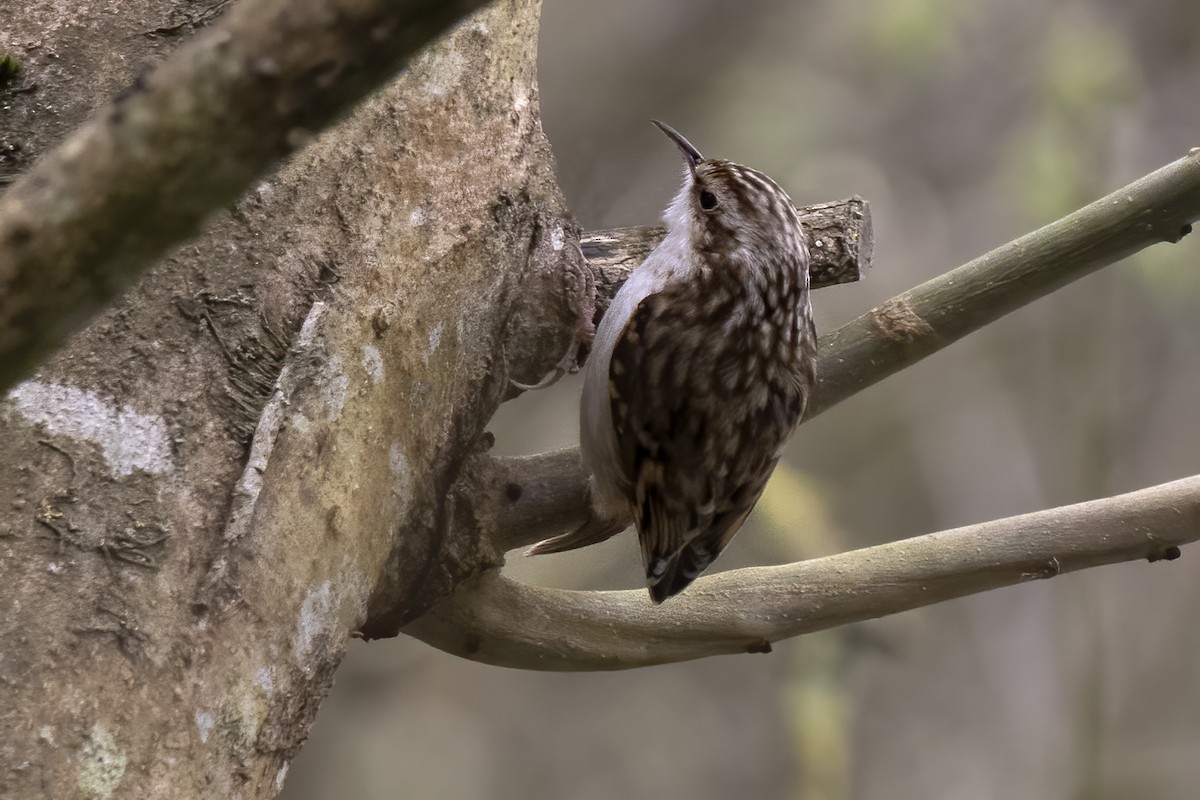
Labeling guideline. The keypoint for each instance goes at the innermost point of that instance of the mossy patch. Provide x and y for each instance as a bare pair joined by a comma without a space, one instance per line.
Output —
9,68
101,765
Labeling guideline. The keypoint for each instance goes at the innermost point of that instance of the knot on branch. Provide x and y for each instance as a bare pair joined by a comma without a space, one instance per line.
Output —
897,321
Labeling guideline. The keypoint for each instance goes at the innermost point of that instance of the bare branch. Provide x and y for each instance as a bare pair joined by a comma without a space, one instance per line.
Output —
181,142
535,497
1159,207
499,621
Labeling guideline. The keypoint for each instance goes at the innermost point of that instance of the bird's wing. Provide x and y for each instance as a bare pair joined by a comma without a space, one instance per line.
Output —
692,486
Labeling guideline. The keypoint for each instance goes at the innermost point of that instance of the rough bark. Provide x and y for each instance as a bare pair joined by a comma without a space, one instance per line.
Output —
185,548
277,437
181,140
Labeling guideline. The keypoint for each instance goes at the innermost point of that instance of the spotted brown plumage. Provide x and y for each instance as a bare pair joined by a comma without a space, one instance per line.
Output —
699,374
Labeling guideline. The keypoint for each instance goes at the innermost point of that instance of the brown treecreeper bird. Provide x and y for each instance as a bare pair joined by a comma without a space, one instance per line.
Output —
699,373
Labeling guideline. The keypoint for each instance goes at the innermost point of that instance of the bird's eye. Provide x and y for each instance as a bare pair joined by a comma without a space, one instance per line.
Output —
708,200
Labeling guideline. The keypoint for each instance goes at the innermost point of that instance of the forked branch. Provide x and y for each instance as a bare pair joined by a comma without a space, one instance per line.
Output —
499,621
1157,208
504,622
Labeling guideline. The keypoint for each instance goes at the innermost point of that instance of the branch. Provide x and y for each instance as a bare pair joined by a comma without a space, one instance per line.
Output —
1159,207
535,497
501,622
840,243
181,142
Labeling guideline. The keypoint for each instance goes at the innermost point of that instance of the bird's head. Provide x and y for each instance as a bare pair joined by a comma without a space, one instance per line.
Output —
723,206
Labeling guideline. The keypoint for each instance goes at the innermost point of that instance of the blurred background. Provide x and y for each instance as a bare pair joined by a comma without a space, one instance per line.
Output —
965,123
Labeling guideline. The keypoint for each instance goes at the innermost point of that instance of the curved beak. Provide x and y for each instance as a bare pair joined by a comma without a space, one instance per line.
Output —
689,152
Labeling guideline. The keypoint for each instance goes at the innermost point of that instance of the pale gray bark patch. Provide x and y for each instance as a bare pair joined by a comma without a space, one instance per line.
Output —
129,440
372,362
317,622
204,724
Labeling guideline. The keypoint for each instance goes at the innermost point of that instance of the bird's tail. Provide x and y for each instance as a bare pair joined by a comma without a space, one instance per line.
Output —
595,530
676,574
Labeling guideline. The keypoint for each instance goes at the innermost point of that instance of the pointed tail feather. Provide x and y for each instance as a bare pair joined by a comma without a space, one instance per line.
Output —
593,531
671,578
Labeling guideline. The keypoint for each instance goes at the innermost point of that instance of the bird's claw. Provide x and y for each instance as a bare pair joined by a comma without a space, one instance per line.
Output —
551,378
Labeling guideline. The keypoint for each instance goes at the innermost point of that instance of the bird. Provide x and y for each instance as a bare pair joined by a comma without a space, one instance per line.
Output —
699,373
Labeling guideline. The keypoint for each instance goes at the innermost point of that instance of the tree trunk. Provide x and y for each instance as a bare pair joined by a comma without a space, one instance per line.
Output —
257,451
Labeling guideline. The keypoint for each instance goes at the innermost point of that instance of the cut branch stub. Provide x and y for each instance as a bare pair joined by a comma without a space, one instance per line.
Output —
840,243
